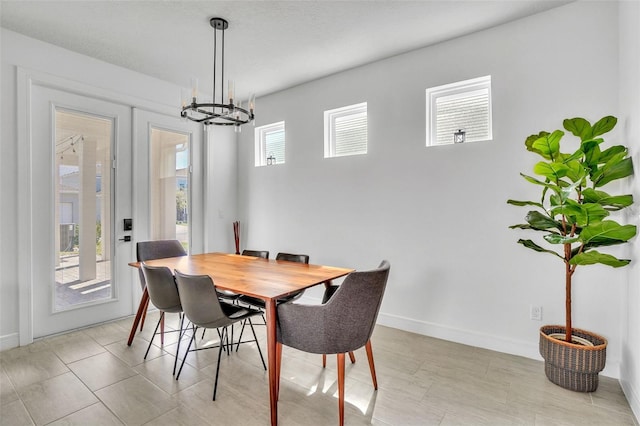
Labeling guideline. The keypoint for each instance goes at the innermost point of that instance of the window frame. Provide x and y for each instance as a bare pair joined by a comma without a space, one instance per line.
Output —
330,117
260,134
459,89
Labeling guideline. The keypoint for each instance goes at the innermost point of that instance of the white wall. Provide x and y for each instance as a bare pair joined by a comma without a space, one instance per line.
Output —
221,188
130,87
439,214
630,121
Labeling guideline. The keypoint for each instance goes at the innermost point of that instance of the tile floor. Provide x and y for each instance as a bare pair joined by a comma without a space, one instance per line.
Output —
91,377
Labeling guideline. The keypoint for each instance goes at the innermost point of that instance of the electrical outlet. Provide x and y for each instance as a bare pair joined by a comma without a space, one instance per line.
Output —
535,313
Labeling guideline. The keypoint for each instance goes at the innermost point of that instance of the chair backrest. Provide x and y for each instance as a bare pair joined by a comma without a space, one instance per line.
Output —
200,301
162,288
157,249
359,297
256,253
292,257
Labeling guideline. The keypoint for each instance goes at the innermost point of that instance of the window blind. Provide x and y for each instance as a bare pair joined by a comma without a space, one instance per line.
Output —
350,135
274,145
467,111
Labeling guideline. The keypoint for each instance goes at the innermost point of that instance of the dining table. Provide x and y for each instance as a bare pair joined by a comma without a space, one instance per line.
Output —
265,279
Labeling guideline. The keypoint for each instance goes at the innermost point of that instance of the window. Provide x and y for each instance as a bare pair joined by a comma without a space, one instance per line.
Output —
345,131
270,144
465,105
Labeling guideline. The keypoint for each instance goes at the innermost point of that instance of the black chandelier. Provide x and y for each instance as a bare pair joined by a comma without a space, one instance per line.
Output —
218,113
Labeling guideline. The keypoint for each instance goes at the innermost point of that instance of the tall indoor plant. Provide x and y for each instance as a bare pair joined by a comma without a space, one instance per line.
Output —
572,217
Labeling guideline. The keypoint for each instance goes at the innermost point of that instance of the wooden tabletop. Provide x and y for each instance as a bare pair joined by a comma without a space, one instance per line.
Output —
253,276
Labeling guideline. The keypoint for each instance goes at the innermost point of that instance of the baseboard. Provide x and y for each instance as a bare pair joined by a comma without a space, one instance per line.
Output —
9,341
465,337
632,397
525,348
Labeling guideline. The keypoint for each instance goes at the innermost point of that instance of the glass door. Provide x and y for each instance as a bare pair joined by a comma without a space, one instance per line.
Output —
80,194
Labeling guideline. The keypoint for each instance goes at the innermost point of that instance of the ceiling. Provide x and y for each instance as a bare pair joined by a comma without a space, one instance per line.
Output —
270,45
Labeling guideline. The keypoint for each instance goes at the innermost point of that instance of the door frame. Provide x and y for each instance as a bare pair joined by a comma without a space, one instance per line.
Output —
26,79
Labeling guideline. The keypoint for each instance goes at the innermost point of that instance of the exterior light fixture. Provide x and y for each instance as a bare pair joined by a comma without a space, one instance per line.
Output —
458,137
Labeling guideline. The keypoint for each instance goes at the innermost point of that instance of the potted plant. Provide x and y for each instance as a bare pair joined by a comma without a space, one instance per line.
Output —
572,218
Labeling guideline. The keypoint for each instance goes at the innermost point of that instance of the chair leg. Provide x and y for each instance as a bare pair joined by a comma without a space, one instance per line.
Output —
241,331
278,364
221,337
193,337
162,329
154,335
352,357
215,385
372,366
341,388
257,344
175,361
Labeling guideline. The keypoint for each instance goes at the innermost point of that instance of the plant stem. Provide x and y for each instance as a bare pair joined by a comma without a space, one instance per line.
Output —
568,274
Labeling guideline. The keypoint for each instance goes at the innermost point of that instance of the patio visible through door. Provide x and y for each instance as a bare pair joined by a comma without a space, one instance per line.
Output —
83,208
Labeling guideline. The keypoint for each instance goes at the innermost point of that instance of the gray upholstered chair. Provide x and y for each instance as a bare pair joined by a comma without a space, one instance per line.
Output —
157,249
204,309
329,290
345,323
163,293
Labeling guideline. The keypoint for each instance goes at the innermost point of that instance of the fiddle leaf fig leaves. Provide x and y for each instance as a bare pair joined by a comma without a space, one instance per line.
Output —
573,209
548,145
533,246
531,139
607,231
609,153
593,257
604,125
579,127
607,201
559,239
541,222
524,203
616,168
552,171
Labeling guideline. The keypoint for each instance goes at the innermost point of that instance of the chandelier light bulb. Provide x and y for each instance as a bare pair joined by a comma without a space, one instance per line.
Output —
194,88
230,92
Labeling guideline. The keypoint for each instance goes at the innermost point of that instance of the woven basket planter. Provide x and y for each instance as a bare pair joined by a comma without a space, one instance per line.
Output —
572,366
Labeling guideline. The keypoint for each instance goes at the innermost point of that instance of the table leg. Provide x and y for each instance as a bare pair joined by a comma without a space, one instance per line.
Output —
141,308
270,306
144,313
